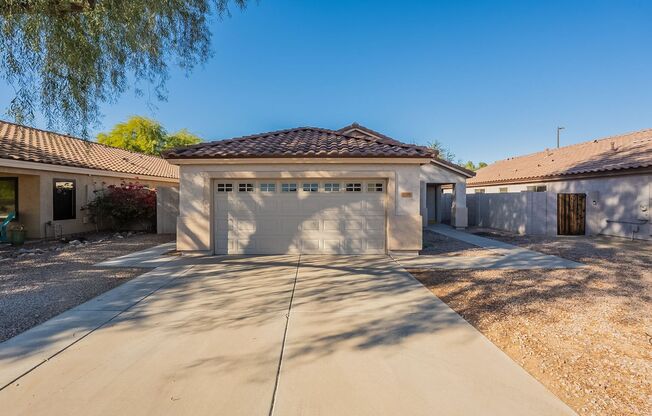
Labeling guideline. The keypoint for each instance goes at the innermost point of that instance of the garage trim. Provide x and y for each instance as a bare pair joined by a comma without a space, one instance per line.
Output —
212,177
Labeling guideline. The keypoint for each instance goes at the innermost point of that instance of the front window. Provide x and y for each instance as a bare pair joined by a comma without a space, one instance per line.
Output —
267,187
8,197
538,188
310,187
63,200
245,187
331,187
289,187
353,187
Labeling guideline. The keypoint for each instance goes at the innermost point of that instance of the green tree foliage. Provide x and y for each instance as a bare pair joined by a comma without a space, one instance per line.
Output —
472,166
443,151
66,57
181,138
446,154
140,134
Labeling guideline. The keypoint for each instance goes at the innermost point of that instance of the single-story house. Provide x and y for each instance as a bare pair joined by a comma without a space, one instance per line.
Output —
602,186
310,190
47,178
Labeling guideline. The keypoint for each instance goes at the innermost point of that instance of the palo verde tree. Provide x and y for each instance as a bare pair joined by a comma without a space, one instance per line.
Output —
66,57
144,135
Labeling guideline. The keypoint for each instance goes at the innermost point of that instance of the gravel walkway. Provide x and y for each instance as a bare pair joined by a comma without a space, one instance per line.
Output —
584,333
37,286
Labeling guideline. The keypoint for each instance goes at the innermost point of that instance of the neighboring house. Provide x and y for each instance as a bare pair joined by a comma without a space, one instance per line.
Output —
47,177
308,190
598,187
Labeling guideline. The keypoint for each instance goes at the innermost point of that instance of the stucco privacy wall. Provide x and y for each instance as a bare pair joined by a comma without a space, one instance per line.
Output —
612,204
35,189
194,226
167,210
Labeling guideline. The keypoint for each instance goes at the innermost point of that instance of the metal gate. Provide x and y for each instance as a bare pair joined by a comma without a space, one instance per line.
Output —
571,214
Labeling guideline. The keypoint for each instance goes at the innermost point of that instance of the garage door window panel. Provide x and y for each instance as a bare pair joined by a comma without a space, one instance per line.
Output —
375,187
267,187
310,187
224,187
289,187
245,187
353,187
331,187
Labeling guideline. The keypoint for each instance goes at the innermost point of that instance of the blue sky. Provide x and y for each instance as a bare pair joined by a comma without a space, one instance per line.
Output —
490,79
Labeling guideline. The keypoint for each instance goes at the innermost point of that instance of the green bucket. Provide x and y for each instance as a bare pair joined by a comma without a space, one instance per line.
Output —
17,237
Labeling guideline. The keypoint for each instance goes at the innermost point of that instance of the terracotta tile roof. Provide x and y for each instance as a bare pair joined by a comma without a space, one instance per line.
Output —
361,130
33,145
616,153
299,142
358,130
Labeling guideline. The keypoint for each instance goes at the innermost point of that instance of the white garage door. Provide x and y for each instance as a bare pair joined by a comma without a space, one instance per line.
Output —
306,216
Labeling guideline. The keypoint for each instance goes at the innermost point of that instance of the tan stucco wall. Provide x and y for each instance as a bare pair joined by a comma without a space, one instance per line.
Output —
435,174
195,225
35,189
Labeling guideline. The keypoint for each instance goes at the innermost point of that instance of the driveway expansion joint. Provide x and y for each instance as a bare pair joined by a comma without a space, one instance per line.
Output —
285,334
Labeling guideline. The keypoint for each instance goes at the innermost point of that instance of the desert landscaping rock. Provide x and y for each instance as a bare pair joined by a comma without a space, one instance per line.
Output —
584,333
42,282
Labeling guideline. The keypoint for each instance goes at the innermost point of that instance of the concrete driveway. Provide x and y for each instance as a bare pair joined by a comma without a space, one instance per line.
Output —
282,335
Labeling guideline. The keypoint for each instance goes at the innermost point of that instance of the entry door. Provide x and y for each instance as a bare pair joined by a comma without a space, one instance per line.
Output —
300,216
571,214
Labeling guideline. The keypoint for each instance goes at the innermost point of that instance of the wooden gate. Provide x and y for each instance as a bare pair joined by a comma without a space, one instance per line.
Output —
571,214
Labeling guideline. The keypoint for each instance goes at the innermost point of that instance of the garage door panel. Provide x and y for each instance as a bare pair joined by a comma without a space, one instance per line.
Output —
311,225
301,222
375,224
356,224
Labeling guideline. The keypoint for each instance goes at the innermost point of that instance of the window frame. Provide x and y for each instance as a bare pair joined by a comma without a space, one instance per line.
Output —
270,187
74,199
289,187
312,187
13,179
246,187
479,191
226,187
332,187
374,187
354,187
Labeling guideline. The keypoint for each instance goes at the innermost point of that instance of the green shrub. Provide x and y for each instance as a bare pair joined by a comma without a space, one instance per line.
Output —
124,206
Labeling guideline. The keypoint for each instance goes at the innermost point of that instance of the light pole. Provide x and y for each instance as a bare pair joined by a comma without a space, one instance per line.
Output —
558,130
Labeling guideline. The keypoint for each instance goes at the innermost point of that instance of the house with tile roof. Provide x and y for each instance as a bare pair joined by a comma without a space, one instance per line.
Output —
602,186
310,190
46,178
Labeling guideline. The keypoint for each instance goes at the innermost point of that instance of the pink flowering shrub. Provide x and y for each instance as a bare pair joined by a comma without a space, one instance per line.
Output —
123,207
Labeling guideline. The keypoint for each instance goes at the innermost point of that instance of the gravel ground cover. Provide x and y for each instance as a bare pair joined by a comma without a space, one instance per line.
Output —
584,333
440,245
41,280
